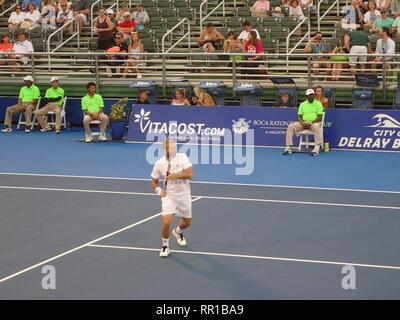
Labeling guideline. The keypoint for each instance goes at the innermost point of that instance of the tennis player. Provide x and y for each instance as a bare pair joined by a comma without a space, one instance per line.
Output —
176,170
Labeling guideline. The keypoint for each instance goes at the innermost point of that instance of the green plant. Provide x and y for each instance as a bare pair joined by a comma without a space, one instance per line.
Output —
118,110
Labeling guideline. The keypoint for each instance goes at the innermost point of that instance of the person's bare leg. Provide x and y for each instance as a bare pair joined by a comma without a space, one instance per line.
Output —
166,226
185,223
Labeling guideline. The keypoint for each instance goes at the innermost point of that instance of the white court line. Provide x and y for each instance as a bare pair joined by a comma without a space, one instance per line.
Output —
253,257
208,197
83,246
200,182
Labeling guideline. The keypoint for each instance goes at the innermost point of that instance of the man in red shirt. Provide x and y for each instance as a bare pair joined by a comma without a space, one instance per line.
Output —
127,26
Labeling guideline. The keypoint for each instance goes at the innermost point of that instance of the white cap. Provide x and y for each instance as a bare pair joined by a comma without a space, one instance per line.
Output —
28,78
126,14
109,11
309,91
53,79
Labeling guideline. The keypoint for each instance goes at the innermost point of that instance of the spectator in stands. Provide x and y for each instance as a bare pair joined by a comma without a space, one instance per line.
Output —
127,26
143,97
307,3
180,98
320,96
244,35
284,100
315,46
6,49
360,45
285,3
81,8
22,49
110,14
253,46
16,18
32,17
120,14
295,10
27,100
92,106
358,8
277,12
209,38
136,50
48,12
385,45
115,59
64,16
260,8
309,118
340,61
54,101
231,43
380,4
395,8
371,15
383,21
104,28
202,98
26,2
140,17
61,2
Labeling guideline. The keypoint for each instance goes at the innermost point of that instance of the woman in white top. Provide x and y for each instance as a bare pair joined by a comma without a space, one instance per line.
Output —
16,18
48,12
295,10
136,49
180,98
371,15
33,16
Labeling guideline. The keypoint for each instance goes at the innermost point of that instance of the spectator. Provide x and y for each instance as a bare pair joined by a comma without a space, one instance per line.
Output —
127,26
115,59
22,49
80,9
383,21
209,38
284,100
180,98
360,45
320,96
32,17
6,48
277,12
104,28
26,2
340,61
353,15
384,45
285,3
244,35
64,16
316,45
295,10
136,50
66,2
384,4
231,44
253,47
307,3
27,100
202,98
309,118
110,14
260,8
54,101
140,17
143,97
120,14
92,106
16,18
395,8
371,15
48,13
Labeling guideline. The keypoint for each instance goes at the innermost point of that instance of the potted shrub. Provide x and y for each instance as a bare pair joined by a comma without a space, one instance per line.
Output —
117,119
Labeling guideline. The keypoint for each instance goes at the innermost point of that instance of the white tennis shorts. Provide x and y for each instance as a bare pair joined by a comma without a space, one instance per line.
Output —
180,205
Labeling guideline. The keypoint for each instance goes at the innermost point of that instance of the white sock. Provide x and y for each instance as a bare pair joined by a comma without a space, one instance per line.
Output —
165,242
178,230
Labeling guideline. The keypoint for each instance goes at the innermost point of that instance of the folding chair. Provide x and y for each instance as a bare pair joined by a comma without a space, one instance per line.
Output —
307,133
22,114
51,114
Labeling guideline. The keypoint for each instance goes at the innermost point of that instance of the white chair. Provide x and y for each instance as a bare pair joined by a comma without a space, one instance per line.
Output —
95,135
22,122
52,120
307,133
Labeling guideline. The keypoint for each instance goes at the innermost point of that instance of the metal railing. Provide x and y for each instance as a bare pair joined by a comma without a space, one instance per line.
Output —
187,34
319,17
205,2
9,9
91,15
298,27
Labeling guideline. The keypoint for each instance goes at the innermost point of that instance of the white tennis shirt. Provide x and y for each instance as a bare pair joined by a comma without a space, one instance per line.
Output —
178,163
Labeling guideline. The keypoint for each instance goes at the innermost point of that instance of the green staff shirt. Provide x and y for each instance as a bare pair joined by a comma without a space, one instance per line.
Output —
92,104
55,93
29,94
310,111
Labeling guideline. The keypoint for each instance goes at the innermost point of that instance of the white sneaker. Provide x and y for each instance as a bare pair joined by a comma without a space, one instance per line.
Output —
179,238
27,130
102,137
139,76
315,151
88,138
164,252
6,130
287,151
48,128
